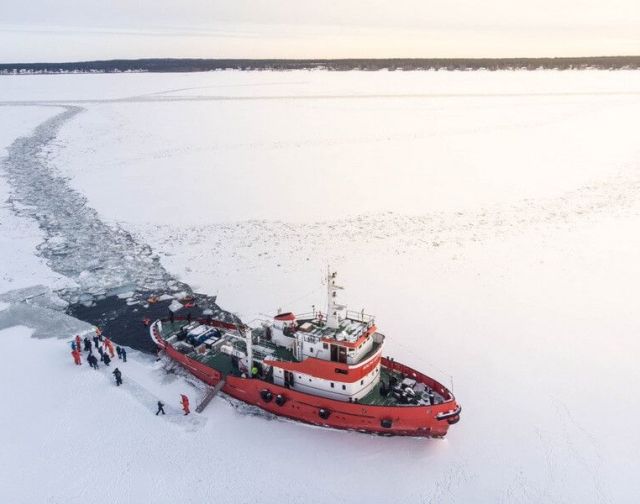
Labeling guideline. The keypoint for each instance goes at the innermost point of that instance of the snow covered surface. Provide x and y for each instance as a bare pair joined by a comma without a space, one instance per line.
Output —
489,220
336,145
19,236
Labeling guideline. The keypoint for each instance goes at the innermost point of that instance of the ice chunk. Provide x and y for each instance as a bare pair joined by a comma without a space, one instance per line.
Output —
45,322
175,306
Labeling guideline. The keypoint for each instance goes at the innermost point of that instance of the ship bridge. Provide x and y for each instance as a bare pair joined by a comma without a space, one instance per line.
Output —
336,354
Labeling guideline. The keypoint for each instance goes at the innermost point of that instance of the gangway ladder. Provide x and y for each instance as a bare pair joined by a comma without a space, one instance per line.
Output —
211,393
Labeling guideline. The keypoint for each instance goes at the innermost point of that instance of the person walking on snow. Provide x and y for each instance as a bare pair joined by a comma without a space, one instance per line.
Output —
185,404
101,352
109,346
106,359
93,362
76,357
78,342
123,352
87,344
118,375
119,351
160,408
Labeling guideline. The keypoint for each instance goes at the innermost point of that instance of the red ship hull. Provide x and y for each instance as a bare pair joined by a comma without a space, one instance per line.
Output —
423,421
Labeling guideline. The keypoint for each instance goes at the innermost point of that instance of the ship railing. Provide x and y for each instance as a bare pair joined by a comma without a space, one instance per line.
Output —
267,344
356,316
156,333
307,315
433,384
360,316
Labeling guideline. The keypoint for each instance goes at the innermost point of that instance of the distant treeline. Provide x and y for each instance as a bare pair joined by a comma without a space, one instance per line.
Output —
206,65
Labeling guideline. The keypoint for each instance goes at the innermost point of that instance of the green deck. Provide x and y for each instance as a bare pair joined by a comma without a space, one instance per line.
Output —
220,361
374,397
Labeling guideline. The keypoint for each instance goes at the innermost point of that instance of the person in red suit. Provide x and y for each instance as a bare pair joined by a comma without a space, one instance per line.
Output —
109,345
185,404
76,357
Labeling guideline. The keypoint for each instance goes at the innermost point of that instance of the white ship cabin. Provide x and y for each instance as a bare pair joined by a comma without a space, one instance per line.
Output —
335,355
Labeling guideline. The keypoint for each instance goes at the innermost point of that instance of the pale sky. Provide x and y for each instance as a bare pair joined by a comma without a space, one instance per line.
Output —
71,30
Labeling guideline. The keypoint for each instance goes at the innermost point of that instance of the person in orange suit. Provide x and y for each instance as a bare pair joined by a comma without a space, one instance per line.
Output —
78,342
76,357
185,404
109,345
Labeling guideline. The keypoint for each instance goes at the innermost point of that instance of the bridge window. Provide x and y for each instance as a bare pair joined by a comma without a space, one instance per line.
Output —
341,371
332,385
344,387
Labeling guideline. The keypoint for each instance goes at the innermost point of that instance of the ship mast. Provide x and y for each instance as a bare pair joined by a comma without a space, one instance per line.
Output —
249,342
333,308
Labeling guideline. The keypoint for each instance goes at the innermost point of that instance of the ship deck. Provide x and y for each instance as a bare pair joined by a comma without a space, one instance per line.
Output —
349,329
222,362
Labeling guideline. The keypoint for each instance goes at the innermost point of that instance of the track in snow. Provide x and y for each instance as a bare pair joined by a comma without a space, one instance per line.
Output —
101,259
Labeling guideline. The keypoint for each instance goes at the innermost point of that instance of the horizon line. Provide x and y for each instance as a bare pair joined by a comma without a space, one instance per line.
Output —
343,59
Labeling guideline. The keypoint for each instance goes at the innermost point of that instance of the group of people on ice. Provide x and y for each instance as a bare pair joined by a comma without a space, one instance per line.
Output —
104,346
